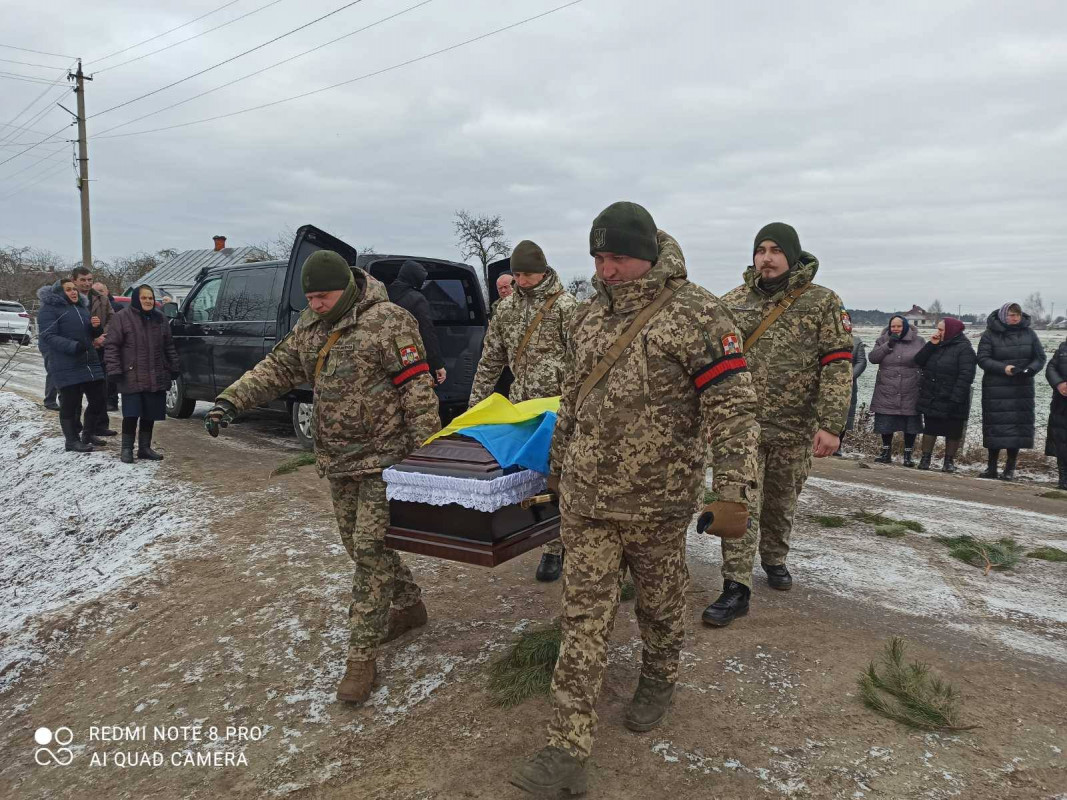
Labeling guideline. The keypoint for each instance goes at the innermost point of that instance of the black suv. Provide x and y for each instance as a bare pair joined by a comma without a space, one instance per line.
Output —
235,314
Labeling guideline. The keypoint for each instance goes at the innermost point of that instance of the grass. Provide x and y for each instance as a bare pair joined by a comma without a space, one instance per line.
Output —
1048,554
910,693
1054,495
874,518
526,670
831,521
293,464
1004,553
892,530
710,497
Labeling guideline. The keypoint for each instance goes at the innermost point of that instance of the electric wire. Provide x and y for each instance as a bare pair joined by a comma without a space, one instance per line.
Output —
10,134
35,146
33,182
50,156
38,52
15,76
161,35
28,64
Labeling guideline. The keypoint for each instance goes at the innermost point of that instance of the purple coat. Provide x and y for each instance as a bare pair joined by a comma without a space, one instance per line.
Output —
896,390
141,351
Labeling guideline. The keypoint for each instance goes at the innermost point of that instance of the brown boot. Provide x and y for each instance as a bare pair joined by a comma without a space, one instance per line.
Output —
355,686
403,620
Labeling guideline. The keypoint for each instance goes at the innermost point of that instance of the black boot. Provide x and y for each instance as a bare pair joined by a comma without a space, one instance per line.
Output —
1062,463
126,454
1009,467
778,576
991,469
886,455
907,457
924,462
73,443
732,603
949,465
550,568
144,444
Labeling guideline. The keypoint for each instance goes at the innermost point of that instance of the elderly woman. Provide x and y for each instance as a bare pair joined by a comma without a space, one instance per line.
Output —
141,361
1010,354
948,368
896,389
1056,440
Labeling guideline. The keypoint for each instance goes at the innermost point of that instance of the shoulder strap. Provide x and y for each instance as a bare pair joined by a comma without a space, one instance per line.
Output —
325,351
533,325
605,364
772,316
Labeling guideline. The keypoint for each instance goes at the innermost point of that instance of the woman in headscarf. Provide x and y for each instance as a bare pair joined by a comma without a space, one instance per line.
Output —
948,368
141,361
1009,354
896,389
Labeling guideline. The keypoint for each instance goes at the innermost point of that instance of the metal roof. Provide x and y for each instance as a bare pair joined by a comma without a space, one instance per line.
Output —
182,270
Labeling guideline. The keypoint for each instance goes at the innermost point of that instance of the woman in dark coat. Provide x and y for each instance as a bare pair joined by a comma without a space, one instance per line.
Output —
141,361
405,291
1056,440
948,368
896,390
67,335
1010,354
859,366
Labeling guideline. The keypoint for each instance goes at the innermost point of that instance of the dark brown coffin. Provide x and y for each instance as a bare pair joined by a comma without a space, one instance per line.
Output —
456,533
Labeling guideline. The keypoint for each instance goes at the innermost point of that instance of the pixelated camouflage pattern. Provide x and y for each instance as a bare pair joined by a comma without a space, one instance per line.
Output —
546,357
783,470
797,395
637,447
363,421
598,551
381,579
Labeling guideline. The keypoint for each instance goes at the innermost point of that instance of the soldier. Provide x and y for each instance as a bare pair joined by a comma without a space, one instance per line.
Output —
798,342
374,404
528,333
628,457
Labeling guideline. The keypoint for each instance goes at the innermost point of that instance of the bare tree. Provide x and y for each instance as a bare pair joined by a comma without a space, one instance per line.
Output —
936,310
1034,305
481,237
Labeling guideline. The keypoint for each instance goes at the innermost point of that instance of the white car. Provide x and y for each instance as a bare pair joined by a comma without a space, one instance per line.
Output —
14,322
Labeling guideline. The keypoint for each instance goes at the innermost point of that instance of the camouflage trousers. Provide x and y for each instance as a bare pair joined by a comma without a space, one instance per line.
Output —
555,548
381,580
781,474
597,553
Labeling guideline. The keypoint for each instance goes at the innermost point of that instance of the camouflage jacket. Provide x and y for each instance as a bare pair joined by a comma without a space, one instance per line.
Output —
374,399
636,449
802,365
541,372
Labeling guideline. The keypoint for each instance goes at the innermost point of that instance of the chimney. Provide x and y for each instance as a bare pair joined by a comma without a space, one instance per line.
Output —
220,242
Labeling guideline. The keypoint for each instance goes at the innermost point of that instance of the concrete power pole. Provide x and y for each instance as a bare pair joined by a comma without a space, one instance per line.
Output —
83,166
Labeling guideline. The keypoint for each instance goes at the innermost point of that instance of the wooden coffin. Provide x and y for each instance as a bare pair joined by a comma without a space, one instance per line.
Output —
456,533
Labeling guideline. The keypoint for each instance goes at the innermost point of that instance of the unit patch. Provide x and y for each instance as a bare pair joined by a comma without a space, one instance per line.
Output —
409,354
846,321
731,344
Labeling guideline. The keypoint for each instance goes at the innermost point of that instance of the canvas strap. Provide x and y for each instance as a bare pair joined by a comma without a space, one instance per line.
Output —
772,316
325,351
605,364
533,325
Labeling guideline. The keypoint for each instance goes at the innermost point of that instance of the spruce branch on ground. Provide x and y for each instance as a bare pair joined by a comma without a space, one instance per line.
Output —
1048,553
892,530
293,464
526,670
878,518
909,693
830,521
1004,553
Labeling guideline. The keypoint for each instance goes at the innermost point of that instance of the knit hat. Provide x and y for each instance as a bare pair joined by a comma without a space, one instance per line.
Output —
626,229
953,327
325,271
528,257
785,236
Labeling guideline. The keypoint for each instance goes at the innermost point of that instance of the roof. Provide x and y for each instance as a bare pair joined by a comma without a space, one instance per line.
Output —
183,269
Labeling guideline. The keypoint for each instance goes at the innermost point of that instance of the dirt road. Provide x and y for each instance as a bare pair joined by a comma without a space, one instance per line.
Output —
240,621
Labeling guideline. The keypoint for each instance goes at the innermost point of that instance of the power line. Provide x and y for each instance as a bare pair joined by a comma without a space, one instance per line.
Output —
47,157
48,107
7,136
49,173
264,69
15,76
38,52
160,35
190,38
28,64
34,146
382,71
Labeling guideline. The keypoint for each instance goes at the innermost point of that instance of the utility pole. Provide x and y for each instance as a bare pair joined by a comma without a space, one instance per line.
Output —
83,165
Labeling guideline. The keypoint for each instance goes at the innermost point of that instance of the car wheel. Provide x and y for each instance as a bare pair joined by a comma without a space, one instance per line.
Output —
26,340
302,424
178,405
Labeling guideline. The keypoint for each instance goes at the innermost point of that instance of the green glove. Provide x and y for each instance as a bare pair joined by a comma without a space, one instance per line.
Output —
221,414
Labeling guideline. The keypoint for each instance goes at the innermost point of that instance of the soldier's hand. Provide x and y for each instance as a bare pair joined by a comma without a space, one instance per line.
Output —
725,519
825,444
220,415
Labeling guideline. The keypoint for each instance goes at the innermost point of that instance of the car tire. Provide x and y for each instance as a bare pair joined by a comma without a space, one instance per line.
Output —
301,414
178,405
26,340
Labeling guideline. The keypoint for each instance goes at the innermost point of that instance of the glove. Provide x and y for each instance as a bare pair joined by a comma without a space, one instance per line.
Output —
221,414
553,484
725,519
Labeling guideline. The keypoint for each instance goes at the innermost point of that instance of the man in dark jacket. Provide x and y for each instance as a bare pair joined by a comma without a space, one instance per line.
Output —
406,292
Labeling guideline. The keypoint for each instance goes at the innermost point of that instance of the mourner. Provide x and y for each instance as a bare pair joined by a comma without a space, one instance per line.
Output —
374,404
629,457
798,342
528,333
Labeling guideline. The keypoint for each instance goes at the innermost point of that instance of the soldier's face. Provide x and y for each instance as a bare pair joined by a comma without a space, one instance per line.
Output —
504,286
770,260
528,280
614,269
322,302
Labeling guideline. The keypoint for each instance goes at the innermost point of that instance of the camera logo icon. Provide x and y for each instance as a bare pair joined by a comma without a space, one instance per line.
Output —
61,737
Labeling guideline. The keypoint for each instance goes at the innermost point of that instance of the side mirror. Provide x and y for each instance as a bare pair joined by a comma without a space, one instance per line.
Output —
170,310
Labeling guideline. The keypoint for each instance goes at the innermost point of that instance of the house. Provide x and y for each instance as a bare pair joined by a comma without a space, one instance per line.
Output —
177,276
918,317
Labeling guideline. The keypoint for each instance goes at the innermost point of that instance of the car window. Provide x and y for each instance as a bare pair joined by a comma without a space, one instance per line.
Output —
202,306
449,300
248,295
15,307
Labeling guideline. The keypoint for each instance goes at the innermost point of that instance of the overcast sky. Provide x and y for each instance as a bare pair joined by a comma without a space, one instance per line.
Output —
919,148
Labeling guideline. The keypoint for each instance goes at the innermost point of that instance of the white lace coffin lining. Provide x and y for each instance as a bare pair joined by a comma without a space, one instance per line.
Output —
480,495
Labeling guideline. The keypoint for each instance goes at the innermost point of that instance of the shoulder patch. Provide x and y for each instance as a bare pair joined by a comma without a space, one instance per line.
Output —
846,320
408,352
731,344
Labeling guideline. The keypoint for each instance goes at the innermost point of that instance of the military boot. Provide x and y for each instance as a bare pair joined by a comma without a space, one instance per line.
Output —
1009,467
551,772
732,603
550,568
924,462
359,677
908,462
778,576
650,704
402,620
885,456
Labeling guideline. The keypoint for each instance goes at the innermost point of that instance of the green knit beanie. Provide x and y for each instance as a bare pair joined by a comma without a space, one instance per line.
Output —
785,236
528,257
626,229
325,271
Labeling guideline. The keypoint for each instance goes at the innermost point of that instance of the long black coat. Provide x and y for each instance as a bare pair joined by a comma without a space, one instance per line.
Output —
1056,441
948,371
1008,400
404,292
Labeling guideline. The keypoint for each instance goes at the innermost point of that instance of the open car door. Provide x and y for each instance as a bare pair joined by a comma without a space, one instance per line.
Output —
495,270
308,240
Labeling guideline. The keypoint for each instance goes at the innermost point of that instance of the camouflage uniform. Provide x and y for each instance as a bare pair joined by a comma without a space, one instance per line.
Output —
632,462
802,371
373,404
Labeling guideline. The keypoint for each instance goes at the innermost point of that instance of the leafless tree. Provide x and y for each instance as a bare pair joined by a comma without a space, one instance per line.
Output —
936,310
1034,305
481,237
